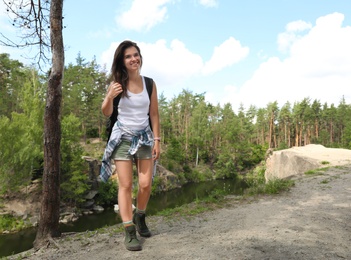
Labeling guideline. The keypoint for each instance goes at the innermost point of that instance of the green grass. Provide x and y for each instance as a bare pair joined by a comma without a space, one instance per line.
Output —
325,181
274,186
258,185
319,171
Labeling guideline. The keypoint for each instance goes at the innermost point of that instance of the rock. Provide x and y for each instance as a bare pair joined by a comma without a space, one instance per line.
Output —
116,208
34,220
98,208
91,194
88,204
169,179
87,212
67,218
298,160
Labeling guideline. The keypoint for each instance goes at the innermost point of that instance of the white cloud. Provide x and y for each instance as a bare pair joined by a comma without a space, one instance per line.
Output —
286,39
226,54
172,65
169,65
209,3
318,66
143,15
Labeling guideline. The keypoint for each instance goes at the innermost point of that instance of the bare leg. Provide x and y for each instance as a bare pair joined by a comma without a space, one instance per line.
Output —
125,183
145,181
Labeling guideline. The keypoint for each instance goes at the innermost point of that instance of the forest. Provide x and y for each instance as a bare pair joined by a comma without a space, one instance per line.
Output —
200,141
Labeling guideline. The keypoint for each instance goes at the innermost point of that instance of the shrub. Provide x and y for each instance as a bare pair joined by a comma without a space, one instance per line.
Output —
107,195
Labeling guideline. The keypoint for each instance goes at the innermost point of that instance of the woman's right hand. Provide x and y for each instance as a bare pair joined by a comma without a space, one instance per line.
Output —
114,90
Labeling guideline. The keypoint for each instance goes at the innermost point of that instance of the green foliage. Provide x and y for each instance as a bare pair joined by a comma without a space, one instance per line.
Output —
74,188
256,177
175,151
225,166
21,138
277,185
84,87
12,76
107,194
193,131
74,179
10,223
258,185
156,183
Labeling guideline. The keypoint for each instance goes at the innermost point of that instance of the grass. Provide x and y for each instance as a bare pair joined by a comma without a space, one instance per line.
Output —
319,171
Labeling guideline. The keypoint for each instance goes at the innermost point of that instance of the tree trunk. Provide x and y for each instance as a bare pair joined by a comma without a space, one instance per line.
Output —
50,204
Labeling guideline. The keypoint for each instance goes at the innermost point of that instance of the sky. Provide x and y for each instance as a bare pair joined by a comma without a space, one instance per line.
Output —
250,52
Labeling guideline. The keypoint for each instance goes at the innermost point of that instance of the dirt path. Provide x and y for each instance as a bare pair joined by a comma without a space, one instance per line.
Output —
311,221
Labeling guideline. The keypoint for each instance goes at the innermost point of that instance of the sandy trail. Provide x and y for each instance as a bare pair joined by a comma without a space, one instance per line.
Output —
311,221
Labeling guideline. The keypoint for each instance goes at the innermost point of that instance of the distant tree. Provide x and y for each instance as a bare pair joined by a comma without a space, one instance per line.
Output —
22,156
316,117
83,88
284,119
272,115
12,74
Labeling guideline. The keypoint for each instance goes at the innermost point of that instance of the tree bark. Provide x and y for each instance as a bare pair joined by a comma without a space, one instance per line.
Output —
50,204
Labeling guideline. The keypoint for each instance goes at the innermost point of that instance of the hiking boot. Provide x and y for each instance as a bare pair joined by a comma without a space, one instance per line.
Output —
131,241
139,221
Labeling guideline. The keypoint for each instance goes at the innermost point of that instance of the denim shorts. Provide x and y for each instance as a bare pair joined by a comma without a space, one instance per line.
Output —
121,152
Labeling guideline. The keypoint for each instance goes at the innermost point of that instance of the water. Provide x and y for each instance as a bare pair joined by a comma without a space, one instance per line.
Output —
23,240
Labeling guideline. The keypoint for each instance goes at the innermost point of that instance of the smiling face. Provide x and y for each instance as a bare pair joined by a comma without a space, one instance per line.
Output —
132,59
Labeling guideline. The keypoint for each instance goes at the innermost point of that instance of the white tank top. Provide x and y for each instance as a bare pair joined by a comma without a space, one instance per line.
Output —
133,110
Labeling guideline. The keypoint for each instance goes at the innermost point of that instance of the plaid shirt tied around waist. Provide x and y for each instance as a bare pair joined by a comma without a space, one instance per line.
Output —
139,138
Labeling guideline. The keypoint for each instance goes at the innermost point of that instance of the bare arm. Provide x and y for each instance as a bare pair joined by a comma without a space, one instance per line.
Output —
113,91
155,121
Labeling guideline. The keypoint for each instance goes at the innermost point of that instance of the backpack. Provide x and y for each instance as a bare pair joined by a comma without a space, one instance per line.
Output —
113,118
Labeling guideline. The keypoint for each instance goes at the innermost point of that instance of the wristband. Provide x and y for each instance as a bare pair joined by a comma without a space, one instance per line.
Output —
157,138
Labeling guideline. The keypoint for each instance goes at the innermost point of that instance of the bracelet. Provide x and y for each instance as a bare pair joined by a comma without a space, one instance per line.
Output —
157,138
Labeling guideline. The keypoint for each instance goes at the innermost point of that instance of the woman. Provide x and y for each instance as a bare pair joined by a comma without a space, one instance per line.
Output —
131,138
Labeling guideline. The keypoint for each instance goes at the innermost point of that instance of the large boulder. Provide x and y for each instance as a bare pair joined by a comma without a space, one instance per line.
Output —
298,160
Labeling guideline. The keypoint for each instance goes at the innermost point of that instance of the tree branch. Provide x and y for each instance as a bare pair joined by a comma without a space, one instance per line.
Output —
31,18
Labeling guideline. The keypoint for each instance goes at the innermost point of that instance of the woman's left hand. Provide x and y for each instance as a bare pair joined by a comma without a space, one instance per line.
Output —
156,150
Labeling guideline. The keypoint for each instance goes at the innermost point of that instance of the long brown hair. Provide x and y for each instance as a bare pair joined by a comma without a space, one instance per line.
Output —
118,70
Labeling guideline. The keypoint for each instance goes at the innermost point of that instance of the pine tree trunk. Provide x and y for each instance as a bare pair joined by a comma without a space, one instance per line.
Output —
50,204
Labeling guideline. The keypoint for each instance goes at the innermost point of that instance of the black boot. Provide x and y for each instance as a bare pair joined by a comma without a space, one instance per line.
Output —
131,241
139,221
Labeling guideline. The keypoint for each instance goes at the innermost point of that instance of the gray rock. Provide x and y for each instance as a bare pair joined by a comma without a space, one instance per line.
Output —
91,194
98,208
298,160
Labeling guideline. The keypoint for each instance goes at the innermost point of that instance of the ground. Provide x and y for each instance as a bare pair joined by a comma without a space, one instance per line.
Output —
310,221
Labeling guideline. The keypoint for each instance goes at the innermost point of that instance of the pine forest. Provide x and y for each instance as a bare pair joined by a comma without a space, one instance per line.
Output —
199,140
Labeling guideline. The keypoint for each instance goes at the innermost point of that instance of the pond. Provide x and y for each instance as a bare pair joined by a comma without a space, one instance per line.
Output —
23,240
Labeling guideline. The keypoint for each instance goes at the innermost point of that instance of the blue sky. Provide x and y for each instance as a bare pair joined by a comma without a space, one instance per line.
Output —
248,52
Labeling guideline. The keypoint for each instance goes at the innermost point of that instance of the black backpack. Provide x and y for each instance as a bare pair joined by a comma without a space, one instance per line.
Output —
113,118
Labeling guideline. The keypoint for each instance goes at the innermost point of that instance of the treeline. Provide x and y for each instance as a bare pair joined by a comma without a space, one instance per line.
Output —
199,140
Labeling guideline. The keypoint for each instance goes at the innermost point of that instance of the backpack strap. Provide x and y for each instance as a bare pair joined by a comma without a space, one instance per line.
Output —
149,85
113,118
